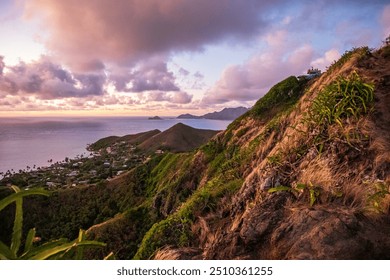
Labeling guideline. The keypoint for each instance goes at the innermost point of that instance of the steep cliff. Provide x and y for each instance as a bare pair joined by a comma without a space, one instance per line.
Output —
314,162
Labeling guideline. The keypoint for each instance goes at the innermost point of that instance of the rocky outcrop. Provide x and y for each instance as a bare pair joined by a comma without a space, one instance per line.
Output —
275,230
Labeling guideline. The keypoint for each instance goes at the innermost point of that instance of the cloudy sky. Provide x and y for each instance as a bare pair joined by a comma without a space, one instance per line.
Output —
153,57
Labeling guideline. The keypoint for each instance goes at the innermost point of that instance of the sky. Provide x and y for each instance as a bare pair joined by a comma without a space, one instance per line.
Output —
137,57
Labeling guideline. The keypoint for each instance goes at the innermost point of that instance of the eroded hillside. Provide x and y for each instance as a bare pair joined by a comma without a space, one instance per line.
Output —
315,173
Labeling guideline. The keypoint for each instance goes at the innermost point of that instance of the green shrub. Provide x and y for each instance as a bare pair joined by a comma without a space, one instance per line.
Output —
377,192
345,98
57,249
176,228
282,95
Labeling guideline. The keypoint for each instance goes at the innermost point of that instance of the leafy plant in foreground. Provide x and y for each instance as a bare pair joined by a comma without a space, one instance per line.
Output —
345,98
375,200
57,249
313,191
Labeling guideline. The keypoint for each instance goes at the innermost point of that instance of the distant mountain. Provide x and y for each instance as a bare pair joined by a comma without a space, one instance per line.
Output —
189,116
178,138
225,114
155,118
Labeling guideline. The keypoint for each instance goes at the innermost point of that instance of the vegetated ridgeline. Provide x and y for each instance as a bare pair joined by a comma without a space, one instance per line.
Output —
131,139
178,138
304,174
329,177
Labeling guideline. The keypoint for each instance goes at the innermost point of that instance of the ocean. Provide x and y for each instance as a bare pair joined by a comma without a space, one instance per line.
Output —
34,141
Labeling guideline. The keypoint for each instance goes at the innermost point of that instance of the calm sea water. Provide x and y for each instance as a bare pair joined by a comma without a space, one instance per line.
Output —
33,141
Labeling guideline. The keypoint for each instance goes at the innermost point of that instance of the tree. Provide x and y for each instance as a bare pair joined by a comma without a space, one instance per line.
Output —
57,249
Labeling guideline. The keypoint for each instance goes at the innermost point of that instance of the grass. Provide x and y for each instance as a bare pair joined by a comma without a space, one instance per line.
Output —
346,56
375,199
345,98
279,96
306,191
343,101
337,106
176,228
278,99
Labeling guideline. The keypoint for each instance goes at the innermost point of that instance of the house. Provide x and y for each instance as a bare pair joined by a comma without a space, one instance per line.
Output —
73,173
311,74
50,184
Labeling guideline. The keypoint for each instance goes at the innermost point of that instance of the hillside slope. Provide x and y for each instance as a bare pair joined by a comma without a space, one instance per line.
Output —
131,139
178,138
312,164
304,174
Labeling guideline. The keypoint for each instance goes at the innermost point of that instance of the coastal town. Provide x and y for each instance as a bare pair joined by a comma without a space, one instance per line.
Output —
101,164
108,158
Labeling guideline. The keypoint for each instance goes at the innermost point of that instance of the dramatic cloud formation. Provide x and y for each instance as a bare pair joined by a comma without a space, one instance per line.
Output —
48,80
148,75
290,51
125,54
251,80
128,30
44,85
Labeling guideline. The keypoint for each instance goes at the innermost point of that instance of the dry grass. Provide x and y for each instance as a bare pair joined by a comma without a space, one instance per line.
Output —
201,229
318,173
171,253
381,147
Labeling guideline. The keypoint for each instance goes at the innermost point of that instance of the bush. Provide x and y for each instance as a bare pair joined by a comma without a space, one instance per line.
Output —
283,93
345,98
57,249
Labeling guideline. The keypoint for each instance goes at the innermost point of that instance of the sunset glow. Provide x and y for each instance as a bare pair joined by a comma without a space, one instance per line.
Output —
168,57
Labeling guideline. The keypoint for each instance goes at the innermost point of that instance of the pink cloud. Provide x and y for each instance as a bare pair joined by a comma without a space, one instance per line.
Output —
329,57
124,32
385,20
251,80
180,97
47,80
175,97
148,75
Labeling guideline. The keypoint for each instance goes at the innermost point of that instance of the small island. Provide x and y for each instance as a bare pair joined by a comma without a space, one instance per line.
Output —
155,118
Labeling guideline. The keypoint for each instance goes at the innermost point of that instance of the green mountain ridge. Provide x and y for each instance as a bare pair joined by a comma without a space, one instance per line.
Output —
178,138
131,138
304,174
